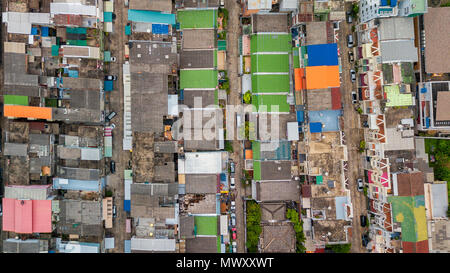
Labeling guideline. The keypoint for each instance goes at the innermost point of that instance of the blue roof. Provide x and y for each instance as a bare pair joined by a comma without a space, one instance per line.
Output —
108,86
107,17
160,29
73,73
329,119
44,31
300,116
383,2
324,54
78,185
127,246
34,31
127,205
315,127
148,16
393,3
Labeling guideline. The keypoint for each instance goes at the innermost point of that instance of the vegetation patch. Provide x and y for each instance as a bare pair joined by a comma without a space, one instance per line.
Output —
253,226
292,215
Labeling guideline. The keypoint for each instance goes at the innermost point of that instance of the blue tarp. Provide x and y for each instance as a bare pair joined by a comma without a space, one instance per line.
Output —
315,127
427,122
127,205
181,95
148,16
78,185
44,31
223,177
34,31
300,116
160,29
73,73
108,86
127,246
393,3
324,54
383,2
423,90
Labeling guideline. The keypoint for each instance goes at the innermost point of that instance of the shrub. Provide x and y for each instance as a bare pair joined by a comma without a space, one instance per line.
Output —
248,97
253,226
342,248
292,215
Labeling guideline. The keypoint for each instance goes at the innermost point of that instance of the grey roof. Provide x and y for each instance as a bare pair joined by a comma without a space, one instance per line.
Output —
89,99
192,96
201,183
76,115
26,246
275,170
200,145
440,200
165,173
26,192
78,173
187,227
197,59
80,217
15,149
396,28
82,83
40,139
152,52
154,200
156,5
278,239
168,147
68,152
201,4
201,245
270,22
398,51
199,39
278,191
16,73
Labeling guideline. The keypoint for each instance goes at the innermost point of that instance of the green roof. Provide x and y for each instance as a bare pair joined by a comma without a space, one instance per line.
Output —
197,18
410,212
77,42
256,148
270,63
222,45
295,56
270,83
128,174
257,170
206,225
395,98
270,43
15,100
55,50
215,58
319,180
269,101
418,7
198,79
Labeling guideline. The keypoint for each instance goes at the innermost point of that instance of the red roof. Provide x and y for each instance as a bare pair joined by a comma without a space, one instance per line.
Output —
319,250
336,98
27,216
418,247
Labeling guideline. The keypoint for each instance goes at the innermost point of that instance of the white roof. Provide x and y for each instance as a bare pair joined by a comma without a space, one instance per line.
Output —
259,4
395,141
26,192
20,22
223,224
288,5
292,131
440,200
172,104
128,183
90,154
109,243
203,163
246,83
75,247
152,244
72,8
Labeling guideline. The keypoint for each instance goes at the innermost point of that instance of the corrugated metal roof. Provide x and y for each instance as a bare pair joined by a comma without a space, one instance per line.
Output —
35,192
72,8
15,149
152,244
398,51
440,200
91,154
19,111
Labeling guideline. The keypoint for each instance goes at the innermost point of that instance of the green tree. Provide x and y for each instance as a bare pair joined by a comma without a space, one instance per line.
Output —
253,226
248,97
341,248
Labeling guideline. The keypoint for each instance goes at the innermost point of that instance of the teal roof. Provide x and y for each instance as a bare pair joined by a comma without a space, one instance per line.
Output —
148,16
107,17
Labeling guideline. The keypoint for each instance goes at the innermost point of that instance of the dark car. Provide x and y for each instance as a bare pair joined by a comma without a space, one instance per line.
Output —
112,166
363,219
351,57
354,97
111,116
364,240
110,78
114,211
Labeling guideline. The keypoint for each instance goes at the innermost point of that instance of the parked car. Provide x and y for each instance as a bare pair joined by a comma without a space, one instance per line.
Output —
232,183
111,116
112,166
233,219
354,97
113,59
363,219
234,236
349,17
366,124
350,41
114,211
360,184
232,167
353,75
112,125
351,56
233,206
234,244
365,240
126,3
1,210
110,78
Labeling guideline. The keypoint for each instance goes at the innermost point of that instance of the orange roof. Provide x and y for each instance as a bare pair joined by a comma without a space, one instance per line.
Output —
299,75
248,154
320,77
19,111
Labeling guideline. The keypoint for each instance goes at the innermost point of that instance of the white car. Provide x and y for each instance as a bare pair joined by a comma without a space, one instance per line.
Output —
113,59
233,206
112,125
232,183
234,244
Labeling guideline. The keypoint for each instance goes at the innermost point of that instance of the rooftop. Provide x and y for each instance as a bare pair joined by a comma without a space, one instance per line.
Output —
270,22
27,216
277,191
155,5
190,19
438,46
201,183
80,217
443,106
278,239
201,245
199,39
273,211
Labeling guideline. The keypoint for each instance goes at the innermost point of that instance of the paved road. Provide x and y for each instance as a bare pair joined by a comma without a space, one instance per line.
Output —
233,34
117,40
353,136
